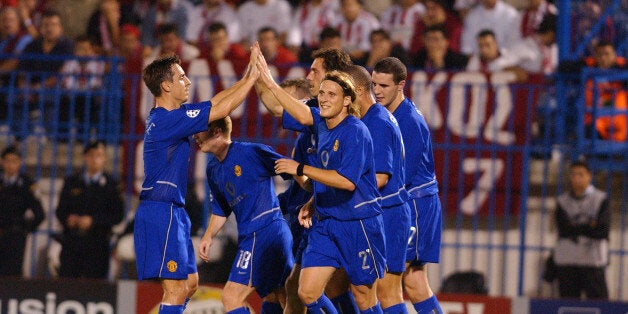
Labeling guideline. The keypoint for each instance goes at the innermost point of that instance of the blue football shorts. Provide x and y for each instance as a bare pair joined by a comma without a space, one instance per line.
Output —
426,228
163,246
264,258
397,230
358,246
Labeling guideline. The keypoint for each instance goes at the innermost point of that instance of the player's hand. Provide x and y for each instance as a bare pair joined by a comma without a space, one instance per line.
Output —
286,165
306,213
265,75
203,250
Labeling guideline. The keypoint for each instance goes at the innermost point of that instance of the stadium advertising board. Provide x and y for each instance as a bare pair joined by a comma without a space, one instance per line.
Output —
473,304
57,296
542,306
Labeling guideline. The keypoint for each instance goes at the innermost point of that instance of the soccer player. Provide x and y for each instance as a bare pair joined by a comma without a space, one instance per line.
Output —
349,230
162,227
325,60
240,176
390,174
389,78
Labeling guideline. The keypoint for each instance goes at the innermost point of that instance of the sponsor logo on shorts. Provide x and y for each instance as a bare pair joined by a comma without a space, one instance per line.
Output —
192,113
172,266
237,170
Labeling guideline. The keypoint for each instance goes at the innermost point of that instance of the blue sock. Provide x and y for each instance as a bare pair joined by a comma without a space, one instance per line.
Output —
185,303
271,308
396,309
428,306
345,304
375,309
322,305
240,310
170,309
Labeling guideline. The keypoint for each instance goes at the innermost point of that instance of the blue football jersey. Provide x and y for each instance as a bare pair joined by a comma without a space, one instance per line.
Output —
167,150
347,149
242,183
420,176
390,155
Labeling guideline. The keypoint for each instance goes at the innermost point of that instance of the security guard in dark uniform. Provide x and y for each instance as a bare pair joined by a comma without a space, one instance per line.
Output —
20,213
89,205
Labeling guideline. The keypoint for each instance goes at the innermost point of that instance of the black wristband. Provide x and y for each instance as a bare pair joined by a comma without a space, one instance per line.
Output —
300,169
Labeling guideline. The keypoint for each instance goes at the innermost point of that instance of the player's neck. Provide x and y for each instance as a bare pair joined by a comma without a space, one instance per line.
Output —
396,103
222,150
334,121
166,103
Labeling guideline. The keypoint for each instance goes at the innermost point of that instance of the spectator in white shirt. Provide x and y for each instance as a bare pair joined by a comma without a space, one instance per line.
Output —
490,56
256,14
496,15
170,43
355,25
309,20
84,77
532,16
400,21
207,13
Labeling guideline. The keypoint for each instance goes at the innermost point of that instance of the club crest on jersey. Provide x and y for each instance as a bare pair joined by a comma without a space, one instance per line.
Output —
192,113
237,170
336,146
172,266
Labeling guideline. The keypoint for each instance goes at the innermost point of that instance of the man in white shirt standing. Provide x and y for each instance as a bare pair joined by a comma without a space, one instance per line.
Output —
207,13
400,20
256,14
355,25
495,15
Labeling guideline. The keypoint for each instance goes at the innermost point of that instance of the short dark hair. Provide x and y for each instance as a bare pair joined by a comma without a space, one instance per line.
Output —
93,145
604,43
268,29
333,59
380,31
10,150
223,124
158,71
548,24
486,32
215,27
50,13
328,32
436,28
298,83
581,164
394,66
361,77
167,28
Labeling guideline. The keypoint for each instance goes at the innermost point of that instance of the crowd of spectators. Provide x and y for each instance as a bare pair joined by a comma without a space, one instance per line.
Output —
299,26
524,37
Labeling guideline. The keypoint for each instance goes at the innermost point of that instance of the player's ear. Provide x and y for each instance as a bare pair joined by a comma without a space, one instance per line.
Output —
402,84
165,86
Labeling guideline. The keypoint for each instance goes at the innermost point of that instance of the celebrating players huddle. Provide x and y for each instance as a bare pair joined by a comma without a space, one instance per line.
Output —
363,223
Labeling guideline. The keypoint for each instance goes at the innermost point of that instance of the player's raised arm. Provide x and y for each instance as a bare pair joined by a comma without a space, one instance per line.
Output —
229,99
294,107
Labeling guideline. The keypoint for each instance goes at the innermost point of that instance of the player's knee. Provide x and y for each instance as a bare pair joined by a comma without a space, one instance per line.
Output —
308,295
192,288
365,296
